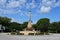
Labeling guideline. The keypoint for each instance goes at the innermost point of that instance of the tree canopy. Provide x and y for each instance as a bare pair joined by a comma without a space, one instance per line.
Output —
43,24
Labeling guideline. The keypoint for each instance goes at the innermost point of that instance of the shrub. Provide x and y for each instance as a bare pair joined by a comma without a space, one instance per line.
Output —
20,33
13,33
31,33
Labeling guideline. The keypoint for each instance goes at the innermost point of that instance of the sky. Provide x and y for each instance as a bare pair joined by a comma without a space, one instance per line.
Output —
18,10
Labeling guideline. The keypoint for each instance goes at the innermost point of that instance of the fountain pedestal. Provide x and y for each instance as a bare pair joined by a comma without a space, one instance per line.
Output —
29,28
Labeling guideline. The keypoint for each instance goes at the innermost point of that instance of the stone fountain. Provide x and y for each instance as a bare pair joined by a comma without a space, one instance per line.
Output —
29,28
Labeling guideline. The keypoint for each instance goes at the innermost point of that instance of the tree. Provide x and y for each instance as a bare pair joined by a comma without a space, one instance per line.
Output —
43,24
24,25
35,26
58,28
4,21
15,26
54,26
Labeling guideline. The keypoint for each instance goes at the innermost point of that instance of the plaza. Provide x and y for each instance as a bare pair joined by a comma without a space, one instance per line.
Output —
36,37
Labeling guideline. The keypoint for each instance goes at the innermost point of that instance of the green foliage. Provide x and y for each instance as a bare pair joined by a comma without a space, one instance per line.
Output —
20,33
24,25
43,24
35,26
13,33
14,25
58,28
31,33
54,26
5,21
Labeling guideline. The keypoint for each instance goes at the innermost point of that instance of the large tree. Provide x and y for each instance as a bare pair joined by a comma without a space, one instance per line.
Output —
15,26
24,25
54,26
4,21
35,26
43,24
18,26
58,27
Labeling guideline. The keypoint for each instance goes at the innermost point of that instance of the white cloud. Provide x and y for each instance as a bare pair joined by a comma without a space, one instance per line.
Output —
13,4
57,4
31,5
10,11
2,1
22,1
45,5
48,2
45,9
15,20
1,11
53,3
8,8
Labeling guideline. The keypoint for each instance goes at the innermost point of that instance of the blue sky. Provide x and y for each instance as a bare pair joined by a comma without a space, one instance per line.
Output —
18,10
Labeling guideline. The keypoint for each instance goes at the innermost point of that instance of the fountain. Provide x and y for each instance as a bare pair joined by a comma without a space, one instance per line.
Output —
29,29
